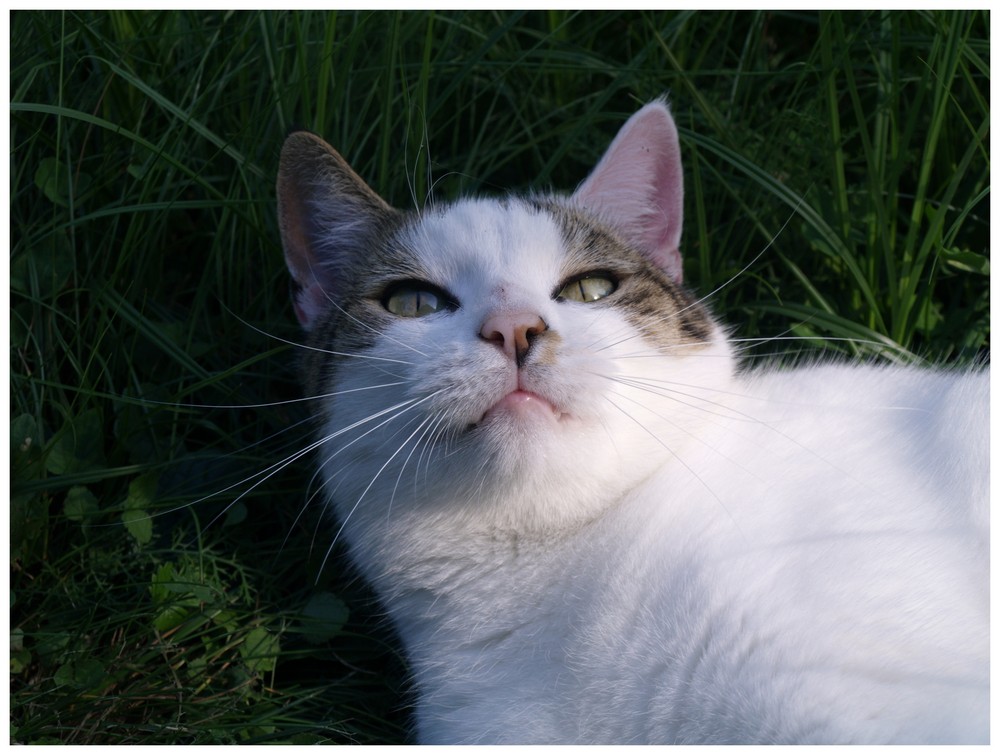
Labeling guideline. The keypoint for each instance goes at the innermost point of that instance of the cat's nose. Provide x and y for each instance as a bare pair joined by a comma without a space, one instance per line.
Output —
513,332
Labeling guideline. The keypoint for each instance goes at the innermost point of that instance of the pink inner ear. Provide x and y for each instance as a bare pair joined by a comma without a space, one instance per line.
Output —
638,187
307,299
326,213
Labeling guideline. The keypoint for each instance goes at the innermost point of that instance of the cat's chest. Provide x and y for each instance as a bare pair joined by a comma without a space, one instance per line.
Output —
558,626
689,590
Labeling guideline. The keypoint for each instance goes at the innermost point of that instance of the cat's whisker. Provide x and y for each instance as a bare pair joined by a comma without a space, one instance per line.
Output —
408,174
436,441
308,503
678,459
742,346
310,347
343,472
262,476
745,417
330,437
273,469
669,389
396,411
402,406
375,477
733,278
328,491
368,327
884,347
614,340
672,394
427,425
626,333
695,402
284,402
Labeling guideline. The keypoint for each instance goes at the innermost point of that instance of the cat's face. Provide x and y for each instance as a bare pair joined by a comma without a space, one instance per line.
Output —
515,360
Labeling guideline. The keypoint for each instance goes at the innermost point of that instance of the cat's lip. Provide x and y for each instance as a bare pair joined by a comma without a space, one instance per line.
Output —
523,403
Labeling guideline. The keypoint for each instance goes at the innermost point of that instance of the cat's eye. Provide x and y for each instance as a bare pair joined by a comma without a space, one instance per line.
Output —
416,300
587,288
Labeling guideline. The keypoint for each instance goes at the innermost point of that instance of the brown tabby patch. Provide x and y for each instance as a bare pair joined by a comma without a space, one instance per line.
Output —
662,310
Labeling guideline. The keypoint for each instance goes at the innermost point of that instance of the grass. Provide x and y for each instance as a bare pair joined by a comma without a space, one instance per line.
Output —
166,579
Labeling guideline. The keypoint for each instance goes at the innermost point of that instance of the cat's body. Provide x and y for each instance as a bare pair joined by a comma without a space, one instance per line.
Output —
734,616
587,524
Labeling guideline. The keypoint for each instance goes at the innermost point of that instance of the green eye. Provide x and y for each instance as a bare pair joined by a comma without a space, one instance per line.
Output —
416,300
587,289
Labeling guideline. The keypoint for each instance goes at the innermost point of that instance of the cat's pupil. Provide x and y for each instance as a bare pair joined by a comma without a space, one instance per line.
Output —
414,301
587,289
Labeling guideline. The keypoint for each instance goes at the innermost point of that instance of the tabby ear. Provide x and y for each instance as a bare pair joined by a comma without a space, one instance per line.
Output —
327,215
638,187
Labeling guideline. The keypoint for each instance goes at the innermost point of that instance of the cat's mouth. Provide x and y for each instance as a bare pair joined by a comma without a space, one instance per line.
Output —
523,405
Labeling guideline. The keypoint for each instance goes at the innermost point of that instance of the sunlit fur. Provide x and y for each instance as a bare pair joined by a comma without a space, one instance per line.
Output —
682,551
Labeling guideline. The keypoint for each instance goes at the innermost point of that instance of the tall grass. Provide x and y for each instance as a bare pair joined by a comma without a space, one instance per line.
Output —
165,574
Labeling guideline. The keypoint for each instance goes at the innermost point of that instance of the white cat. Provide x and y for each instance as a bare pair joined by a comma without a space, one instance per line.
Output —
586,522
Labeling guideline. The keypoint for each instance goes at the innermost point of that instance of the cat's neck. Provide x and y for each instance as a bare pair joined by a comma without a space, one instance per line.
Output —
459,579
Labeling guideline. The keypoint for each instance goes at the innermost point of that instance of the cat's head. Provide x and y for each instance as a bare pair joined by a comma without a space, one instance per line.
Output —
518,361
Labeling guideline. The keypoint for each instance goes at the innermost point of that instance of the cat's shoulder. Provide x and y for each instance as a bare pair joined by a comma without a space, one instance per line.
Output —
922,429
929,386
946,408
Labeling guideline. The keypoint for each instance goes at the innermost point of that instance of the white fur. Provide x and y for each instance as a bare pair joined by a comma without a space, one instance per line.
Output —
691,556
674,551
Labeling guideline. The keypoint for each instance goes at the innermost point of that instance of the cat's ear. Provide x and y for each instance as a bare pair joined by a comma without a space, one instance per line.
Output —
327,216
638,186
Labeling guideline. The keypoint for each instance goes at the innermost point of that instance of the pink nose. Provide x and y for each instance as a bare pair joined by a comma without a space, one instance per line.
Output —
513,332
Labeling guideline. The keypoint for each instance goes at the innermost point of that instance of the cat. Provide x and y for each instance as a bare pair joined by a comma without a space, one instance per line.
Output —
588,522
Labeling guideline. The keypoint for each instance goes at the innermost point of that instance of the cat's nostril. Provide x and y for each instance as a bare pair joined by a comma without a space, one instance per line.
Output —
513,332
